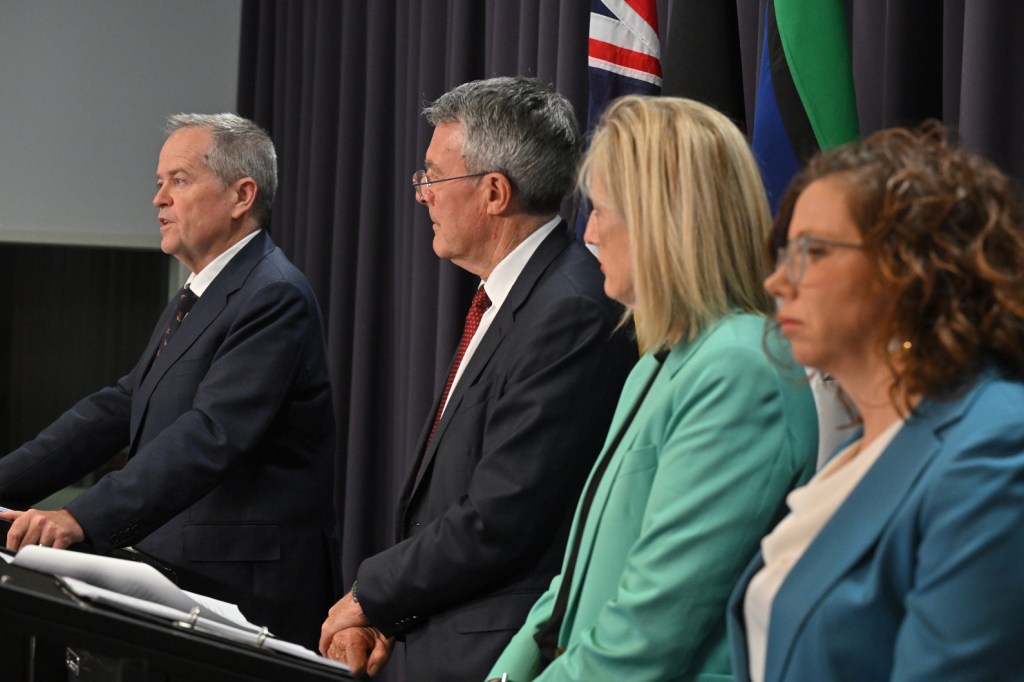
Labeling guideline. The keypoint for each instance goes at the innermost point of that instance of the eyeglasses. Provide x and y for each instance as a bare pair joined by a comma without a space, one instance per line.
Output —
795,255
421,183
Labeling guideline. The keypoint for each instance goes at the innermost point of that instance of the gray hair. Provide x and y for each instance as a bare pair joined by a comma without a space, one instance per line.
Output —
240,149
520,127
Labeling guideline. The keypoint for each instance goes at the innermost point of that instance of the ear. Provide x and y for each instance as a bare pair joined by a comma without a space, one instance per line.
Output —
499,193
244,194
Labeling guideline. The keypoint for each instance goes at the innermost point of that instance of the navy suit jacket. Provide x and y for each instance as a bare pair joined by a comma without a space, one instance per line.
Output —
917,575
482,533
231,444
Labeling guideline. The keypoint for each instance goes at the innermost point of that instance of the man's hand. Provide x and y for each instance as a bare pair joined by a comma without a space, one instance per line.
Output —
365,650
345,614
56,529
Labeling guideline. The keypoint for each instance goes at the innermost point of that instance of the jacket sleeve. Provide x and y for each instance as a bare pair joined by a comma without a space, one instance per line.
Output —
87,435
225,417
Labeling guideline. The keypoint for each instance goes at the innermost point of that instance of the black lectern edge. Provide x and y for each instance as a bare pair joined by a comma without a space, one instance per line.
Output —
39,604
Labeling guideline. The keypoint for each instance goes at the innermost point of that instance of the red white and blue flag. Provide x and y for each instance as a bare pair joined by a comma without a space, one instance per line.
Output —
624,58
624,52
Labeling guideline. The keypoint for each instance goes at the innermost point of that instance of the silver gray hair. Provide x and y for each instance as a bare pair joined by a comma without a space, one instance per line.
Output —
520,127
240,149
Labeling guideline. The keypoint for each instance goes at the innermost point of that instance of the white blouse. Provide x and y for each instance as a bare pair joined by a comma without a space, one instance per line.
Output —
811,506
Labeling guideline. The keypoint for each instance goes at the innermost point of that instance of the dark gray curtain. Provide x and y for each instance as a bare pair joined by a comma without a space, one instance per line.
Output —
960,61
340,86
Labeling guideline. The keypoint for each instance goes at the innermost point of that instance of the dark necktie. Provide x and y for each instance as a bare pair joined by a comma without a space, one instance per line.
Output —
477,309
186,299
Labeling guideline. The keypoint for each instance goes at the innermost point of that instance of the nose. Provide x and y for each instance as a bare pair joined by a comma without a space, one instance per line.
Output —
590,233
424,195
162,197
777,284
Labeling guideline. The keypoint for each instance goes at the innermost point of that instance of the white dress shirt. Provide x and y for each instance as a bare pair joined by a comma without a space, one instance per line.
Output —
502,278
199,281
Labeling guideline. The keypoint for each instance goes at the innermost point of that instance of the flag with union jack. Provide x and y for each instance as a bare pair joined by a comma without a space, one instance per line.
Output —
624,58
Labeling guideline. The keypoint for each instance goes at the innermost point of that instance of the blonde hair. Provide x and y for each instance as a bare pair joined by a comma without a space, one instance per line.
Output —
682,177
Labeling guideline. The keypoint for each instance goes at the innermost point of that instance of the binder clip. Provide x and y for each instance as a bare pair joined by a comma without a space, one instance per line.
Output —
193,616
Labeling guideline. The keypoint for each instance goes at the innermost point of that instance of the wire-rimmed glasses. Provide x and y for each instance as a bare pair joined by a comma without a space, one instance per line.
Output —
421,183
795,255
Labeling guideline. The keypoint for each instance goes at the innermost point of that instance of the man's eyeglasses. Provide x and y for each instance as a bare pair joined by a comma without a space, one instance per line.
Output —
795,255
421,183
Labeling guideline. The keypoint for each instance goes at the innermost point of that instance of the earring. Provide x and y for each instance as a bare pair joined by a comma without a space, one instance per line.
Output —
895,346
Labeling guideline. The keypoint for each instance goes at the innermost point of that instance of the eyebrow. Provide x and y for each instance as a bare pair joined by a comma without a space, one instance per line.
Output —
814,232
177,170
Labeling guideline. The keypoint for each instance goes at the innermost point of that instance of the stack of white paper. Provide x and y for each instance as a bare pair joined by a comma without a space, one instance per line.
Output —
138,587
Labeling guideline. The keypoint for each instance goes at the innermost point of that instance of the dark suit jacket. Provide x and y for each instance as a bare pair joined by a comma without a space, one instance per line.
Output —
231,438
483,531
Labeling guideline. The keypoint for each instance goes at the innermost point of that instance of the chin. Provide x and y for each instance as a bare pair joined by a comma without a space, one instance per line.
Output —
625,297
804,357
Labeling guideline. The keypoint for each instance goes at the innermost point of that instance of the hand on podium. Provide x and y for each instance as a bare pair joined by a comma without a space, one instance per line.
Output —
57,529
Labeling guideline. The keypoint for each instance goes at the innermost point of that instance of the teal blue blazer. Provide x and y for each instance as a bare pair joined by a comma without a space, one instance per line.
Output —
918,574
698,478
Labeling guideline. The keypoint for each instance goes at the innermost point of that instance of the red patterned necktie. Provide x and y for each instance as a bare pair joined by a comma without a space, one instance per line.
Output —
477,309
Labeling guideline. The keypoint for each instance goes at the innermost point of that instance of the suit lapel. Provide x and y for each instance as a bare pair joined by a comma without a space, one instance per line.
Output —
553,245
855,527
209,306
675,361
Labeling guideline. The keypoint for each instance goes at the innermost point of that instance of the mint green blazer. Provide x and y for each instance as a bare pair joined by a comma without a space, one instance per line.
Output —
699,477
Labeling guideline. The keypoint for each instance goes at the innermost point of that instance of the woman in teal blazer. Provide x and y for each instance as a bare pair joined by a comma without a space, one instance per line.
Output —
710,432
901,559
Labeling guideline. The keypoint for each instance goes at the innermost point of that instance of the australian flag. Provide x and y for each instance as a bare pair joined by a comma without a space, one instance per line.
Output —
624,58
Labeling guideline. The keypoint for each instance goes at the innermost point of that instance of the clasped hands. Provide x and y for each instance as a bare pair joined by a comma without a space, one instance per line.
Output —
57,529
347,636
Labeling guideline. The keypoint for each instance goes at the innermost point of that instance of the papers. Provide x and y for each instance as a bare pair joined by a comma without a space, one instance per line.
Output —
199,623
130,578
139,588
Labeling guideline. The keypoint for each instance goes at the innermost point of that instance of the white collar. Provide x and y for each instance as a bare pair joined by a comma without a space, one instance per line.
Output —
199,281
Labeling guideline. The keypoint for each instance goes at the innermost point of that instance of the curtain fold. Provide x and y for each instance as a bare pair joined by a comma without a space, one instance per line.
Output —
992,82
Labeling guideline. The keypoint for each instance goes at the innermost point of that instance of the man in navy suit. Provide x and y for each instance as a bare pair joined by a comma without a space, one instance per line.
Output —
227,416
493,481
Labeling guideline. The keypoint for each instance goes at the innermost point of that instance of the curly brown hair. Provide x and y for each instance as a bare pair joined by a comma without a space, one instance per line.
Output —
946,236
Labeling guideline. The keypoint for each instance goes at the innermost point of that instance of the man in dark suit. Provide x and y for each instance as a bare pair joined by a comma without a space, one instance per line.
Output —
484,515
227,416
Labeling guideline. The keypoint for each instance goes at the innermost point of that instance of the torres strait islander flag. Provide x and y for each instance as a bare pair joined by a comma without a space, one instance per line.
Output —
624,58
805,98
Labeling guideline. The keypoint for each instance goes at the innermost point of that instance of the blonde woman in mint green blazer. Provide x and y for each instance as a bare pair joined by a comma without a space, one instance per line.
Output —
712,428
